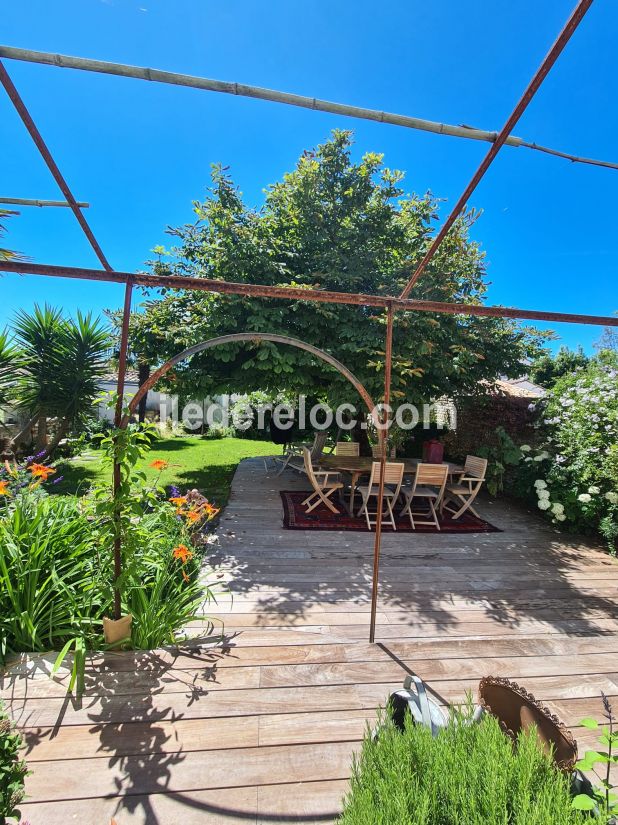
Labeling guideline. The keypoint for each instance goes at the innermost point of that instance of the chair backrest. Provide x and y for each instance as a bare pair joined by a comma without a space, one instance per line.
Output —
393,474
347,448
375,451
431,475
476,467
309,468
318,444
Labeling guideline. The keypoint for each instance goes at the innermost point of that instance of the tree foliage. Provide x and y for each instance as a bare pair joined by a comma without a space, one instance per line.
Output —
332,224
547,369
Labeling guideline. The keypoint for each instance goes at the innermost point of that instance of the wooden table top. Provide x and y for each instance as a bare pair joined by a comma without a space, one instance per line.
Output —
353,464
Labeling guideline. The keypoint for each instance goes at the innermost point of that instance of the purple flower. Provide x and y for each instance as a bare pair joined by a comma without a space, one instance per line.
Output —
57,480
174,491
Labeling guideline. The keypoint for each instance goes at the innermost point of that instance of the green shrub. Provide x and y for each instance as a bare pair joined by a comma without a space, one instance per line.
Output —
467,775
574,477
13,770
50,585
56,566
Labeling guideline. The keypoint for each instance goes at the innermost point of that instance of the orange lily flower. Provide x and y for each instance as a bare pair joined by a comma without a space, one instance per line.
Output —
41,471
4,488
178,501
182,552
192,516
159,464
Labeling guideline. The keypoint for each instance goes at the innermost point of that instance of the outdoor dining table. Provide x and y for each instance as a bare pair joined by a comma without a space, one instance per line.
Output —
355,467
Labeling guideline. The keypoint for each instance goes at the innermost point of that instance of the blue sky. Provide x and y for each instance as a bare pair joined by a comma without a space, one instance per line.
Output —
140,153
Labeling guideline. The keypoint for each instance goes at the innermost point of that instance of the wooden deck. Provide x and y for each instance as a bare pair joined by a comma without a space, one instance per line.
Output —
262,729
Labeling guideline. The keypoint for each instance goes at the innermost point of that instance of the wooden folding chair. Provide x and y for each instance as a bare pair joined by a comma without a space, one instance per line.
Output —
347,448
460,494
293,458
375,451
323,486
393,478
428,485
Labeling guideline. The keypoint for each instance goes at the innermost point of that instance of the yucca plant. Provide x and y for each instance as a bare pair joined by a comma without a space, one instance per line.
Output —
8,368
7,254
58,367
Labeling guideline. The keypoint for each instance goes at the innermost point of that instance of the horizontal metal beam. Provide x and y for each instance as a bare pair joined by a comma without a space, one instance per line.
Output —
65,61
39,203
298,294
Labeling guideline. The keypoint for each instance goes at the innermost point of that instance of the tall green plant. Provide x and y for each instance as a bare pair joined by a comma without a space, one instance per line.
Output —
51,594
500,456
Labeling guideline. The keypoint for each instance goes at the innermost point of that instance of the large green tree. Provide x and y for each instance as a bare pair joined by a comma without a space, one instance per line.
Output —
333,224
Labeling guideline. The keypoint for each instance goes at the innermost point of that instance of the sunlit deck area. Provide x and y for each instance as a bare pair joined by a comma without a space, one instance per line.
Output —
261,729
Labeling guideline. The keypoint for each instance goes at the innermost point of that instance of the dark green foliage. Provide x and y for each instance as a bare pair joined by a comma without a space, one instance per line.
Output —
467,775
336,224
13,770
547,369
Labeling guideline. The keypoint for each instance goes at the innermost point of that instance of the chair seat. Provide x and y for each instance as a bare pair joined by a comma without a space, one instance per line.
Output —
422,492
458,488
375,490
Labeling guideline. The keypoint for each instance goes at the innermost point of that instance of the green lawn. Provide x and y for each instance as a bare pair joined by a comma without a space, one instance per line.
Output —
207,464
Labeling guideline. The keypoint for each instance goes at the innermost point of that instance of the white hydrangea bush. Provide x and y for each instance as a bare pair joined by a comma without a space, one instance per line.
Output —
574,473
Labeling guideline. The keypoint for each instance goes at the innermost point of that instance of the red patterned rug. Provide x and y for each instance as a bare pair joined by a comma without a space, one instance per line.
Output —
295,518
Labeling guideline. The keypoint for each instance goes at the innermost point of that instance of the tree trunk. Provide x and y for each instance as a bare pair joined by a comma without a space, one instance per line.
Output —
23,432
143,372
61,431
41,432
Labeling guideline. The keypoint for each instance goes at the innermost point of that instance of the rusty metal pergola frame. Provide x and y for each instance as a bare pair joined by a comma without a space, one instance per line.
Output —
390,304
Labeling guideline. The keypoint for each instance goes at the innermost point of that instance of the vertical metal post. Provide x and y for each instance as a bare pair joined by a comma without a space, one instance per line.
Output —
383,441
122,369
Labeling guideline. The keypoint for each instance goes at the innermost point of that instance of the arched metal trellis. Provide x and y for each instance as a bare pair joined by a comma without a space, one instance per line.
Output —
251,337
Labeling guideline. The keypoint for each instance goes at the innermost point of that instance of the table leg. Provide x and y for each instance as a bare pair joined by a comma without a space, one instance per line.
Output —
353,480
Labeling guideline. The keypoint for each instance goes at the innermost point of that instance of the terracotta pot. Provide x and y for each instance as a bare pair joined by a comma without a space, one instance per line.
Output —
117,630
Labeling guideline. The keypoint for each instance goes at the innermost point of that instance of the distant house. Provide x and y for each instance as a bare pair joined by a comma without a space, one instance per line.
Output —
520,387
109,383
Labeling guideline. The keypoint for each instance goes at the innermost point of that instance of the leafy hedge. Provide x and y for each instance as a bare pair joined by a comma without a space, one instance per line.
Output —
574,473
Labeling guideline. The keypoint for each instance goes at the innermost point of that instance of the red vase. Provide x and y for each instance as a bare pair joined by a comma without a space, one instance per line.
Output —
433,452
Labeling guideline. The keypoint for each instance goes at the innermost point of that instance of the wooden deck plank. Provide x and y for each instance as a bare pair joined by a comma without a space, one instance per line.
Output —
259,726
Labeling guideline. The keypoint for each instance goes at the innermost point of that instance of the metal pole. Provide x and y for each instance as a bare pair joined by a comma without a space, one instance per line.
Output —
383,441
244,90
552,55
40,144
41,203
122,369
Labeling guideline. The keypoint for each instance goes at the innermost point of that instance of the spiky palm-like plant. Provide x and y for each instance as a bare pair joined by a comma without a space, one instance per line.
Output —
7,254
58,368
